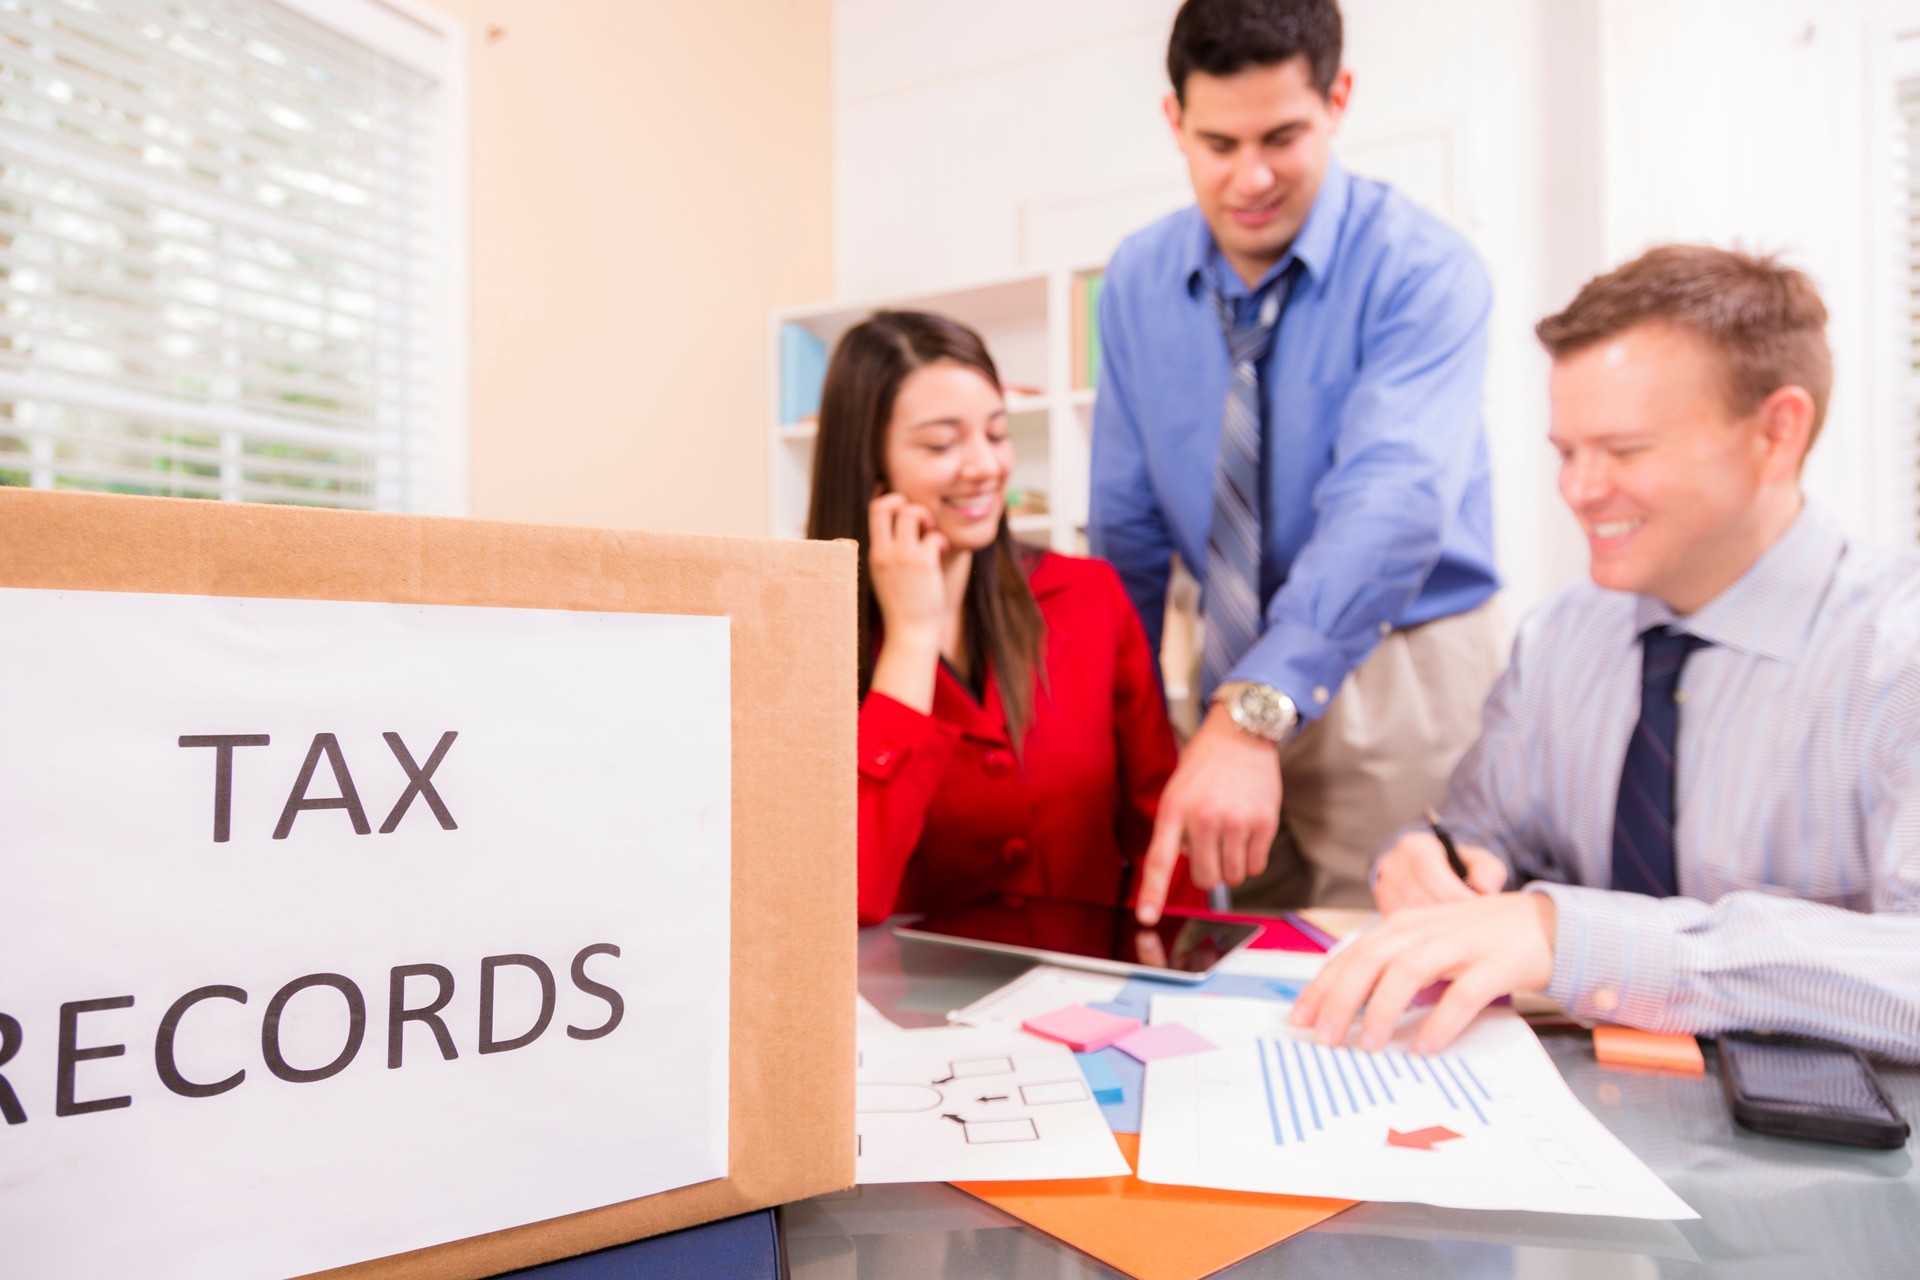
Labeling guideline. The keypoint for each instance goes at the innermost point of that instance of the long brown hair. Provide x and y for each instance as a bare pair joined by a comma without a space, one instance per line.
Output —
999,617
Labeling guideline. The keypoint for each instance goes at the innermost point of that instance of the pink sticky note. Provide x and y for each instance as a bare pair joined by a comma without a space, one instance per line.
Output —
1080,1028
1163,1040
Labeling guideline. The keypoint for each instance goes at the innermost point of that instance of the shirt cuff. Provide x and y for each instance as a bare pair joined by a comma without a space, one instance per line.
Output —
891,732
1299,662
1613,955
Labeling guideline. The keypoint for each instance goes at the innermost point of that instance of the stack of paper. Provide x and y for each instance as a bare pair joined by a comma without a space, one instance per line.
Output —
1250,1134
868,1020
1040,990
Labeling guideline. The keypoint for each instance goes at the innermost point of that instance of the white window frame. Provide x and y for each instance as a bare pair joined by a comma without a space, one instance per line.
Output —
1893,390
435,44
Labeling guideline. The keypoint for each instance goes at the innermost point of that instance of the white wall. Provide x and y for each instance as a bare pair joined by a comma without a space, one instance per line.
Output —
974,140
1747,122
1561,136
1500,97
978,141
619,305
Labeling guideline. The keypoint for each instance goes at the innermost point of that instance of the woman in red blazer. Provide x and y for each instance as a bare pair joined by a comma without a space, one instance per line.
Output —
1013,739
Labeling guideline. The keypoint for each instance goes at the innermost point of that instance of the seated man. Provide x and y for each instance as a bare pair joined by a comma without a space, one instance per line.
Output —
1703,768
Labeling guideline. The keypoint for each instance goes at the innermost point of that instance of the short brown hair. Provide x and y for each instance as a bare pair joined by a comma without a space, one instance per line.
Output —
1765,319
1224,37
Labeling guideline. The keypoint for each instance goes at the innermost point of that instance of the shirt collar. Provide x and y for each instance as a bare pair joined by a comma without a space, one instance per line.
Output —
1313,247
1769,608
1043,575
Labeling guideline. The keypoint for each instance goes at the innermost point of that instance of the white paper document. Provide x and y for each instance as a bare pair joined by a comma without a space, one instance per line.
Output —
1488,1124
1041,989
867,1019
1294,966
951,1104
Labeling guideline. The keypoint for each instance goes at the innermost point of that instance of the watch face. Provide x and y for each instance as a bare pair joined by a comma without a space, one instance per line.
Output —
1261,709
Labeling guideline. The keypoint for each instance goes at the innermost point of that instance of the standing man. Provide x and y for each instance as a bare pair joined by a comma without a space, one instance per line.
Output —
1704,766
1290,399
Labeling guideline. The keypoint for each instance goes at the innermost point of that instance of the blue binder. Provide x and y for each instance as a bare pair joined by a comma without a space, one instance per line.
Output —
803,368
742,1248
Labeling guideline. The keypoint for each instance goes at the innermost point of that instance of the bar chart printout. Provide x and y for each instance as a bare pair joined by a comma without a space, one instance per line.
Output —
1489,1124
1310,1087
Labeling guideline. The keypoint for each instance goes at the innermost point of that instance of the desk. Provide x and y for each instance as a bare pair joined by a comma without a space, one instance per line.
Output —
1769,1207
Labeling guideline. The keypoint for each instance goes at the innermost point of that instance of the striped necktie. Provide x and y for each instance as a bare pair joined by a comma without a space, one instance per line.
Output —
1643,815
1231,605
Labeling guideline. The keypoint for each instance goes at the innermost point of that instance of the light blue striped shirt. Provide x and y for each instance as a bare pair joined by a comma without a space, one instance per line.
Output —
1798,798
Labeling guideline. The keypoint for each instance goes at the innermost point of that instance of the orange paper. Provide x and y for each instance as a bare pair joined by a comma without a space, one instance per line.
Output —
1155,1232
1625,1047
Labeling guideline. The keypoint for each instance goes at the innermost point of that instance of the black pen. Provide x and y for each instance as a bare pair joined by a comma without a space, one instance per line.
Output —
1446,842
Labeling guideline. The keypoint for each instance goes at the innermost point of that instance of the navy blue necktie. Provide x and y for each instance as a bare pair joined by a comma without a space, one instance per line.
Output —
1643,814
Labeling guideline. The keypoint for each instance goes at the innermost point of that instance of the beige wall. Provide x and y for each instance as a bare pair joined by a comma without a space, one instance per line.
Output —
650,177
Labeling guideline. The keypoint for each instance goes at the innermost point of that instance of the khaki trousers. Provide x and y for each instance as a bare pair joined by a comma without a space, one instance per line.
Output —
1378,757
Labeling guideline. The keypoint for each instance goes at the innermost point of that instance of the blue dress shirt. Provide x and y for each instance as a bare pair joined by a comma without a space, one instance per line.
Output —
1377,496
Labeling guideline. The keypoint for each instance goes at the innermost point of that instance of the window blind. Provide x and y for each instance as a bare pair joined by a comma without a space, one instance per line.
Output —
1907,219
216,257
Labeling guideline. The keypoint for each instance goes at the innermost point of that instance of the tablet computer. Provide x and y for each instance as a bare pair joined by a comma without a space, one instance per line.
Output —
1180,948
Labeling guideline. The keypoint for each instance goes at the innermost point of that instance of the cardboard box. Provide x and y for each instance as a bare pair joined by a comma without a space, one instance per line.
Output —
793,802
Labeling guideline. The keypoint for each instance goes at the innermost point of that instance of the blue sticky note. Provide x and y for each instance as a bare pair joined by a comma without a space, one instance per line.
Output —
1123,1116
1100,1077
1136,1000
1136,997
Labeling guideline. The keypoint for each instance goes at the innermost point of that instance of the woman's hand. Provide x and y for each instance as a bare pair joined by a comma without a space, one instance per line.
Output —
903,559
903,563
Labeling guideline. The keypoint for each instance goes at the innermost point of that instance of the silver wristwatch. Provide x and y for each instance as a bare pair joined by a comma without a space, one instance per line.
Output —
1259,709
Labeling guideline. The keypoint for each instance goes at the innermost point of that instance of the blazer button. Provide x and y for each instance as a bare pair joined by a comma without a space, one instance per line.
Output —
1013,851
998,762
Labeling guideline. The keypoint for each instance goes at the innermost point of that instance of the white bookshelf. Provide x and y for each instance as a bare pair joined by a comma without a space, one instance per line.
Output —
1027,322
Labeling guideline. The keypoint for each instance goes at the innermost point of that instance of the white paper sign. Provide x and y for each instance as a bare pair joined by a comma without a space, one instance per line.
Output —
332,930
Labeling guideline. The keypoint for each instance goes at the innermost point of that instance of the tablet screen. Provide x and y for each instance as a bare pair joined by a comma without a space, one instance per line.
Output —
1177,944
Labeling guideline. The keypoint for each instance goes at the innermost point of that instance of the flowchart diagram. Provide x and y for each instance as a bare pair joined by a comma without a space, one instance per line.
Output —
958,1103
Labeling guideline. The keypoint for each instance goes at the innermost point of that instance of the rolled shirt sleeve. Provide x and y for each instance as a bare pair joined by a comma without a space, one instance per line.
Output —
1125,526
1407,447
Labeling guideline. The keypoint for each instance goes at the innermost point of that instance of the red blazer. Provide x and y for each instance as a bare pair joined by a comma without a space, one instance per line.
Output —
949,813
